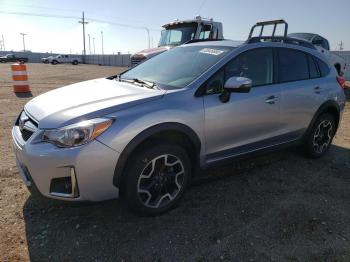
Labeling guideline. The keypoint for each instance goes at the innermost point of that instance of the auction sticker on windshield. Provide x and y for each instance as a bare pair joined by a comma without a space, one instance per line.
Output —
211,51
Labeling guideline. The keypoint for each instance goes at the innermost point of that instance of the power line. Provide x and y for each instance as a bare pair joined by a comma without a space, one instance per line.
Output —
76,17
147,29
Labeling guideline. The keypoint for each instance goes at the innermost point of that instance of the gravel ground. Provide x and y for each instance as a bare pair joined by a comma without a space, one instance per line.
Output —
278,207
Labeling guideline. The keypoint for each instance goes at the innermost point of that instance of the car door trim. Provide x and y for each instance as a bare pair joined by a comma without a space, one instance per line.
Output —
255,146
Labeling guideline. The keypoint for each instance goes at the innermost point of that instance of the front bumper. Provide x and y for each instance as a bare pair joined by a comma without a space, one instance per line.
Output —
90,168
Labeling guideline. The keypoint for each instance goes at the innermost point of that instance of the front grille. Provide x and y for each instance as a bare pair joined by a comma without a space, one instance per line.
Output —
26,125
135,60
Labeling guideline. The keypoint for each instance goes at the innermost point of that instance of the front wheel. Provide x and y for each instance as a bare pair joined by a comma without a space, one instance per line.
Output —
320,136
75,62
156,178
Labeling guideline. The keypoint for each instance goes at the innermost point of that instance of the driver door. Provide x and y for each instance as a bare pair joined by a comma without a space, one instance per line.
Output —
248,121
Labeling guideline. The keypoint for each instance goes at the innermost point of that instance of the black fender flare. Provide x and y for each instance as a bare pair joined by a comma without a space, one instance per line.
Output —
143,136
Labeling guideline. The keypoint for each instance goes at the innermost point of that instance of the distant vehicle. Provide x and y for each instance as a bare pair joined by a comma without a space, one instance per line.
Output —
45,60
178,33
322,45
64,59
12,58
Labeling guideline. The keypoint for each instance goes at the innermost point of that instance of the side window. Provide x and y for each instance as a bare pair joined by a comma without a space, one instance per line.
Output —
314,73
206,32
292,65
324,68
255,64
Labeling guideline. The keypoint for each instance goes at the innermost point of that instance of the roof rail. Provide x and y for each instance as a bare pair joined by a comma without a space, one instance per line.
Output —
286,40
202,40
265,23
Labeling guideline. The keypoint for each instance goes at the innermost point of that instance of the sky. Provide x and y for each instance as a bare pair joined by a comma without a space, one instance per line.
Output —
123,22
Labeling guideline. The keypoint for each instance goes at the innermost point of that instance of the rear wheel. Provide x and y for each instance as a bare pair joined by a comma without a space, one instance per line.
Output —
54,62
320,136
156,178
75,62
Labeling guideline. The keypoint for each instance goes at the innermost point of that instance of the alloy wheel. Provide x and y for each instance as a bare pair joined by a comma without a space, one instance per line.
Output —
322,136
160,181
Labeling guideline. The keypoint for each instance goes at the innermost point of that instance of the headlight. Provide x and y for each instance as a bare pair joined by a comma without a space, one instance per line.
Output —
77,134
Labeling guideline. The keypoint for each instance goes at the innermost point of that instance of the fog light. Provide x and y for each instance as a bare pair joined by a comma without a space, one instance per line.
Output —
65,186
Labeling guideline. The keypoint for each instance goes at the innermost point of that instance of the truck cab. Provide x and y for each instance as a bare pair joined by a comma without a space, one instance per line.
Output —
180,32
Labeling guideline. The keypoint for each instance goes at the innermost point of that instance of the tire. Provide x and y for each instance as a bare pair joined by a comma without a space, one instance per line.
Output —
152,187
75,62
319,138
54,62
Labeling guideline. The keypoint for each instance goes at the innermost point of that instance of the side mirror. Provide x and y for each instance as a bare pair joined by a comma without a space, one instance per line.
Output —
235,85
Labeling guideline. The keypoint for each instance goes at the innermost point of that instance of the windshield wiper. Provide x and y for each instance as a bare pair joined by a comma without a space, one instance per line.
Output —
144,83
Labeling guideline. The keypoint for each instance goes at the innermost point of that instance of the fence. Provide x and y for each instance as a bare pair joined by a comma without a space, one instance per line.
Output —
109,60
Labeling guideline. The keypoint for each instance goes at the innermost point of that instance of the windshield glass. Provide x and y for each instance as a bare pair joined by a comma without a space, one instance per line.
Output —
178,67
178,34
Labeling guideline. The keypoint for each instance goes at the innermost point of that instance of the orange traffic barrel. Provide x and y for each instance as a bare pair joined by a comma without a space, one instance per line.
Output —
20,78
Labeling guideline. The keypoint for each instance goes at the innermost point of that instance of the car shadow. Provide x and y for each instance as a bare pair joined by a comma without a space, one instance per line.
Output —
253,209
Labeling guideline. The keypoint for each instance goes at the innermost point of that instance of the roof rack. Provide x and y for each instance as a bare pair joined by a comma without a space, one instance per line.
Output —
286,40
273,38
265,23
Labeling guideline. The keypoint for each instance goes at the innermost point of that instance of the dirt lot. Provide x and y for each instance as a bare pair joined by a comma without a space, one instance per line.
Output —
279,207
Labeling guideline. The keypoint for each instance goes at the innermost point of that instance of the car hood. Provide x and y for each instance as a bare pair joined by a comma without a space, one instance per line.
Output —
86,100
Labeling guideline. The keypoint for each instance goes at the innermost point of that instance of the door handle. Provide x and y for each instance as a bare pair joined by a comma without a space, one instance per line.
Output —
271,100
317,90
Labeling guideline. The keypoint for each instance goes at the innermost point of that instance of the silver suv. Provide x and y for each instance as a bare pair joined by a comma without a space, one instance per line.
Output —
144,134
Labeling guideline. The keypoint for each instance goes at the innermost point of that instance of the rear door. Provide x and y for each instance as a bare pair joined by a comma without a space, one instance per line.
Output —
302,89
248,121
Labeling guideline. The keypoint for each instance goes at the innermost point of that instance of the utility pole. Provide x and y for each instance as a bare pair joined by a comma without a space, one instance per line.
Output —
24,44
83,23
149,40
102,42
93,42
89,45
3,42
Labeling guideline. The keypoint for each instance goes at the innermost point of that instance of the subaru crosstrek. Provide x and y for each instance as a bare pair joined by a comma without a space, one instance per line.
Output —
142,135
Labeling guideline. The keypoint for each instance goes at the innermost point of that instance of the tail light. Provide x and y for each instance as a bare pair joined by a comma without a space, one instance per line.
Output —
341,81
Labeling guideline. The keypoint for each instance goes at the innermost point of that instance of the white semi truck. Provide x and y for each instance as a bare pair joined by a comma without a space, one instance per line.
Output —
178,33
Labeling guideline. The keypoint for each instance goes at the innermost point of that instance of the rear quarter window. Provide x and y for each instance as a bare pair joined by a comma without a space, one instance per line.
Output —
323,67
313,68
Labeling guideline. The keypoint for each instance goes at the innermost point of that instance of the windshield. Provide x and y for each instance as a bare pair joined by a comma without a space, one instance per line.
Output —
178,34
178,67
